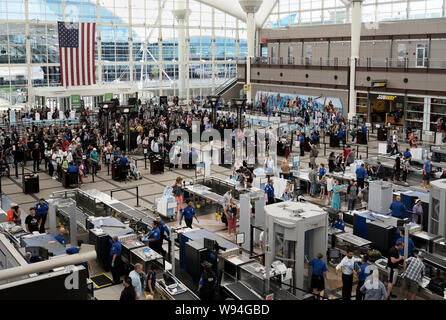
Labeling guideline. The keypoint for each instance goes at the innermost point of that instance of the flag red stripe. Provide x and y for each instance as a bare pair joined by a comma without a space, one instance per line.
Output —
88,53
60,68
72,65
66,67
92,53
81,42
77,66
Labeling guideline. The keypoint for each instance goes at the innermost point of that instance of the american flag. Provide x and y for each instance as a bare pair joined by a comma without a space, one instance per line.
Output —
76,52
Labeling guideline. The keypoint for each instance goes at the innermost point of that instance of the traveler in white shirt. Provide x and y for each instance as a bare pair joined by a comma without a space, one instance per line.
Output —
347,264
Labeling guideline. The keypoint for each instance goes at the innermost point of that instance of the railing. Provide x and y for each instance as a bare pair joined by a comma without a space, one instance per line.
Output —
403,63
225,85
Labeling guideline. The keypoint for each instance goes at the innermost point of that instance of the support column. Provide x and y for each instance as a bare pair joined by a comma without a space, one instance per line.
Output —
250,7
28,59
355,42
99,41
250,26
181,15
131,65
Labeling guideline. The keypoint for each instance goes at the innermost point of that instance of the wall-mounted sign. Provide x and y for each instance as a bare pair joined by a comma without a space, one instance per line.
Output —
379,84
108,96
76,102
387,97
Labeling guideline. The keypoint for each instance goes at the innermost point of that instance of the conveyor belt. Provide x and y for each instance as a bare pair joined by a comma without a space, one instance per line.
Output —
240,291
81,217
352,239
437,261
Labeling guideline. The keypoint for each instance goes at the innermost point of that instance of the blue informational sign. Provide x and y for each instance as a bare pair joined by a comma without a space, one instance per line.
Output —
296,161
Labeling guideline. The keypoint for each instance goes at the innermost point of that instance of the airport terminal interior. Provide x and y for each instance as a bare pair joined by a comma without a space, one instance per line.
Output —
223,150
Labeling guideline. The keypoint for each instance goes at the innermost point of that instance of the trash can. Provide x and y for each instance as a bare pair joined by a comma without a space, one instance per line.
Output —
31,184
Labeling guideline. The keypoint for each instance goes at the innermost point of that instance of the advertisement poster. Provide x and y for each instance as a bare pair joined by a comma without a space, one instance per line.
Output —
287,102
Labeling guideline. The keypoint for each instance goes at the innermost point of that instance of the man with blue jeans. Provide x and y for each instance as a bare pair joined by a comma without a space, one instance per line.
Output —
312,176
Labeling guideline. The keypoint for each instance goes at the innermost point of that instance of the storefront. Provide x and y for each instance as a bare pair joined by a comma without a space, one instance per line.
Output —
381,108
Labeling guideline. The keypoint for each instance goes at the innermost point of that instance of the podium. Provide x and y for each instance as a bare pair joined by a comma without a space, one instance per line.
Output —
156,164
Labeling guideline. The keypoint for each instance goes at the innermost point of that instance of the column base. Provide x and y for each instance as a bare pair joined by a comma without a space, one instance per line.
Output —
351,115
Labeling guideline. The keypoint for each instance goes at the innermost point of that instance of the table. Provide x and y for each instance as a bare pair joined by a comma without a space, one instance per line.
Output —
46,241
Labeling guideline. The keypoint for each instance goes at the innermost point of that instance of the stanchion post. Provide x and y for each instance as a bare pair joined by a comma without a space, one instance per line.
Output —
137,196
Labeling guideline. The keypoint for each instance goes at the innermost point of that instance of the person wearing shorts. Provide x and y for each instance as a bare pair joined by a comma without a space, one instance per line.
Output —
232,213
178,194
393,260
413,274
318,276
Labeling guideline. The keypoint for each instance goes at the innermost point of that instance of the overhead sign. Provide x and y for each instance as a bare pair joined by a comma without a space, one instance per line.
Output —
379,84
246,87
264,40
108,96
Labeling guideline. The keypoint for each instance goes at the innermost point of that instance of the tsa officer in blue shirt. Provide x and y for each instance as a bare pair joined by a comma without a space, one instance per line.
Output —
154,237
362,272
188,214
364,128
115,254
42,211
361,173
164,232
302,144
60,237
407,154
318,276
123,160
398,208
410,245
340,224
269,190
85,264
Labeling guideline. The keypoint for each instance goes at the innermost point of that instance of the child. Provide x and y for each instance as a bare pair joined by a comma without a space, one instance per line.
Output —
81,173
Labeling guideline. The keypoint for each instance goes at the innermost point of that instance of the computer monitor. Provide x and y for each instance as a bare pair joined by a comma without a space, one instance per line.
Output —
133,101
333,214
209,243
38,252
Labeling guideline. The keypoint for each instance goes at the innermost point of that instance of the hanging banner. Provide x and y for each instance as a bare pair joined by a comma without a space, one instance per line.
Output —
76,102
